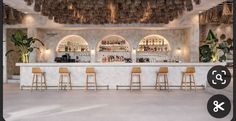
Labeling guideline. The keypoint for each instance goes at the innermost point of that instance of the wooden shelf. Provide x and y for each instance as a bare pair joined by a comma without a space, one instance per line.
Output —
115,51
74,51
113,45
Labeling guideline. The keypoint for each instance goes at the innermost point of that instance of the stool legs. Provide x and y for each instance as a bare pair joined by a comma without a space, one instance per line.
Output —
45,82
130,86
67,85
165,81
36,82
32,85
41,83
86,85
94,81
157,82
191,83
194,83
138,82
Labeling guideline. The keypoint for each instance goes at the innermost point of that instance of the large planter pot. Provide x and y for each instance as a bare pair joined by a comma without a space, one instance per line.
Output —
25,57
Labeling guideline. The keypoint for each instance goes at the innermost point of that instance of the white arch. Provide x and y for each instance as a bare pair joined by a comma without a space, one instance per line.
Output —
66,38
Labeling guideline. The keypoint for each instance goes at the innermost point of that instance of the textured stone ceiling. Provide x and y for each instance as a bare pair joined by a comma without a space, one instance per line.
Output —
22,6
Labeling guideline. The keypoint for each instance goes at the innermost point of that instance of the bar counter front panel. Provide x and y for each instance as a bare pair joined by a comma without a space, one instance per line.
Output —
114,74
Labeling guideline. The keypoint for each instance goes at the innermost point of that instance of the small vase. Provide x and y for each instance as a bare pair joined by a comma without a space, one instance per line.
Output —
25,58
215,57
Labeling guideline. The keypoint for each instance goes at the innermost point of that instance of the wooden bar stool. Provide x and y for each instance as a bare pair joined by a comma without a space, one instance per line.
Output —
64,72
163,71
190,72
37,72
136,71
90,71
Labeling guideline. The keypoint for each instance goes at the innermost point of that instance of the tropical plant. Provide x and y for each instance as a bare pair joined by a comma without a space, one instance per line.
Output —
208,50
24,45
213,50
205,53
225,46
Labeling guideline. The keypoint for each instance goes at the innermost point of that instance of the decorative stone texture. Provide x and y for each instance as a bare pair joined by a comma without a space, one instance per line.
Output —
187,21
176,37
13,57
226,29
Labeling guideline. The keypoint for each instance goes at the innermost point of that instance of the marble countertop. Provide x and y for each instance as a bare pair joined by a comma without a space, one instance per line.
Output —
115,64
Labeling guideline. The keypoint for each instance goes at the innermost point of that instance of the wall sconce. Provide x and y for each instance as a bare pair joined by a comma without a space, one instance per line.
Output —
179,51
47,51
133,50
92,51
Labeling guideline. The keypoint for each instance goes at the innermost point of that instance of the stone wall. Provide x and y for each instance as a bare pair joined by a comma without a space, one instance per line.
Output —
177,38
226,29
189,22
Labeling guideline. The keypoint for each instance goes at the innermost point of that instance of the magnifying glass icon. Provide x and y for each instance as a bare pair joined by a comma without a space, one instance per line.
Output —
219,77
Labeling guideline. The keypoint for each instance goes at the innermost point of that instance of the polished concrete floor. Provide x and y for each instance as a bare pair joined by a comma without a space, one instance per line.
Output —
106,105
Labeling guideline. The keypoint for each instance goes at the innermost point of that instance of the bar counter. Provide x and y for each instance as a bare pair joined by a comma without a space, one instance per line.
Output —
114,74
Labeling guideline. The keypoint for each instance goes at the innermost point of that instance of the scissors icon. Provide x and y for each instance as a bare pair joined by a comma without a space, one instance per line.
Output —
218,106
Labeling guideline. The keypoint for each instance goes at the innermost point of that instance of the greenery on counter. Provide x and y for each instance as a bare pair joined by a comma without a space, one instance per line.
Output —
24,45
214,50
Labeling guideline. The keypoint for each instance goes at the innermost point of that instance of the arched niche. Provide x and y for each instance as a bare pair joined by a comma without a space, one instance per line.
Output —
154,43
112,48
72,43
113,43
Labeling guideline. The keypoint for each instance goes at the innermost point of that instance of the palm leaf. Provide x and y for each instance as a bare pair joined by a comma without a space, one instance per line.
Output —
9,51
35,39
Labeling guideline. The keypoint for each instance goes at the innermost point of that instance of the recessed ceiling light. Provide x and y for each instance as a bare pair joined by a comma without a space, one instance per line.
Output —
26,12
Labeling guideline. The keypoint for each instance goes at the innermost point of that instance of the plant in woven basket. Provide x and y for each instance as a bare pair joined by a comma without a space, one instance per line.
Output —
24,45
214,49
208,51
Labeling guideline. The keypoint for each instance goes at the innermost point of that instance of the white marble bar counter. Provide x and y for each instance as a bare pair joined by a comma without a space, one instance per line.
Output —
114,74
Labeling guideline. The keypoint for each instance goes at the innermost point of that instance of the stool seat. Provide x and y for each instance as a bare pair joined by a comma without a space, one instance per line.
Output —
136,70
90,70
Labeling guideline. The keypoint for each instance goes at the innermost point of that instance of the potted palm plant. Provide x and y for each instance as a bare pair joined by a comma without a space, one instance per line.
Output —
24,45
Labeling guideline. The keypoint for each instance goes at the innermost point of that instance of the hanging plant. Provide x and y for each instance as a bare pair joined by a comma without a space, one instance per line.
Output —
24,45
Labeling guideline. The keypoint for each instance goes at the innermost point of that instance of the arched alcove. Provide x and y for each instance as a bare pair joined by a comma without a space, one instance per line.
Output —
113,48
72,43
153,48
154,43
113,43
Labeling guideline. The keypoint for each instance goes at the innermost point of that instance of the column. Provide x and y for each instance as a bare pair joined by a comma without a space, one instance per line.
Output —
32,32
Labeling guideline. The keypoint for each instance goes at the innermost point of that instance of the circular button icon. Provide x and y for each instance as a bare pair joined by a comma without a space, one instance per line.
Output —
219,106
219,77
